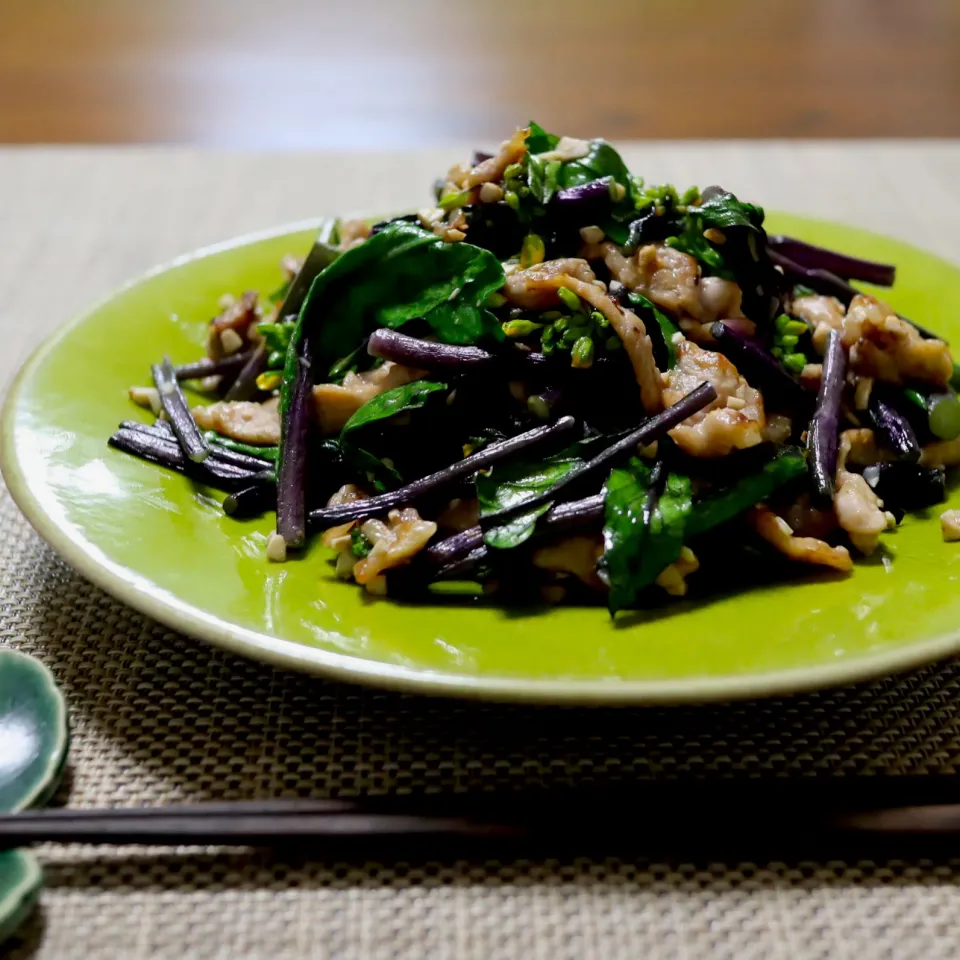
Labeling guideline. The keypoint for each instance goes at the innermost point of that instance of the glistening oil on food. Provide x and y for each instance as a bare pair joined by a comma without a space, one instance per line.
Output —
562,385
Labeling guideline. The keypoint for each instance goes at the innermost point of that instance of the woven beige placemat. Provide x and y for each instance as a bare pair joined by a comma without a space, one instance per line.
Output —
157,717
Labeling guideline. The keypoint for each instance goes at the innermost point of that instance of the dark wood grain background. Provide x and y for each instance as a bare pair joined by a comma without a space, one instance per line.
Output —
375,73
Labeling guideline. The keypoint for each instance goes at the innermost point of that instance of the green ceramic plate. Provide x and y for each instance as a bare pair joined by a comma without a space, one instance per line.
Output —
163,546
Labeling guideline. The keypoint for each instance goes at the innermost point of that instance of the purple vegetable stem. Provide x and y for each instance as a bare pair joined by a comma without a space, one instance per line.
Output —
251,501
445,357
825,425
454,547
849,268
245,386
652,429
166,452
823,281
894,427
175,406
292,469
364,509
457,555
758,366
463,567
391,345
208,367
594,194
163,430
574,515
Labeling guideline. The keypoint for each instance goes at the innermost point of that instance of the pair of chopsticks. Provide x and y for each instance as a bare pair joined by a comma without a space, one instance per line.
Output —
897,815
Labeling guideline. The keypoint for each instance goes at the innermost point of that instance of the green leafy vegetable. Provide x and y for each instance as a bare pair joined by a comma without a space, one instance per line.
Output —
409,396
324,255
351,361
280,294
667,327
644,532
542,178
644,529
539,141
728,503
399,274
601,161
545,177
276,337
692,241
381,476
724,210
604,162
509,484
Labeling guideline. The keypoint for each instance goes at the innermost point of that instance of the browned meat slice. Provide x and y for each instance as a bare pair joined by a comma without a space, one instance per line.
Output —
672,280
734,421
777,532
883,346
574,555
256,423
822,314
859,510
394,544
491,171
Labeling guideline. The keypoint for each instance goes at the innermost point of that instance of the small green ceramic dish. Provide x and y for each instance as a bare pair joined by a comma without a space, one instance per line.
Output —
33,749
163,546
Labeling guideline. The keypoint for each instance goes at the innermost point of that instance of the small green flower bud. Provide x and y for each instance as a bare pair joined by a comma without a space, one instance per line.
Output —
520,328
569,298
795,362
581,356
533,250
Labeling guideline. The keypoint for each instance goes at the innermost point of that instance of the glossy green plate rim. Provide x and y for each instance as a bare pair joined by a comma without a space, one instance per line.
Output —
126,586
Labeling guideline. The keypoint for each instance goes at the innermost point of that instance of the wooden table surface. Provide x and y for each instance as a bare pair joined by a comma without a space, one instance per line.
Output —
382,73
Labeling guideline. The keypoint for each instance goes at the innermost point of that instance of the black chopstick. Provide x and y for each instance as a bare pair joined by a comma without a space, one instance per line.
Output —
877,815
251,829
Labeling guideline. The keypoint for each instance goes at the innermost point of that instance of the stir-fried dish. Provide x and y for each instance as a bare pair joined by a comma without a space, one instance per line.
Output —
559,381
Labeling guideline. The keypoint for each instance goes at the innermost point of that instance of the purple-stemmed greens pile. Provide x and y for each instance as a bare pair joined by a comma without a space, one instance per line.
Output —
560,382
